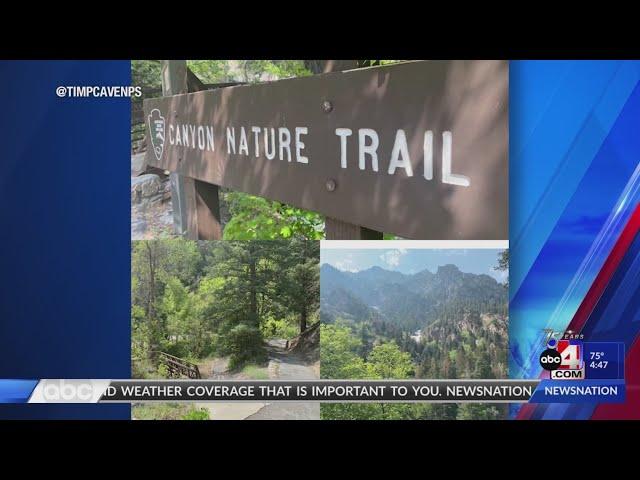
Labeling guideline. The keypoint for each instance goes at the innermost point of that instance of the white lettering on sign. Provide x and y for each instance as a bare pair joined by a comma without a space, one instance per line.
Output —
368,143
343,133
192,134
299,145
371,149
286,143
198,137
270,152
185,135
400,155
256,136
210,145
447,176
284,139
231,139
201,138
428,155
244,146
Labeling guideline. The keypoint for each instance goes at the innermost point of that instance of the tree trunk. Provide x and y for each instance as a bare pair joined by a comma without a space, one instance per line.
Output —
253,307
303,319
151,300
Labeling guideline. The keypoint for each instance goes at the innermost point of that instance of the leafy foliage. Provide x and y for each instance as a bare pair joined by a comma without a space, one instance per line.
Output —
196,299
244,344
256,218
279,328
462,337
503,264
146,74
168,411
339,358
196,414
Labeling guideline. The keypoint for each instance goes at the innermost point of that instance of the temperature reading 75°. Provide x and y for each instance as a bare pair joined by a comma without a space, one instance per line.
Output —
596,355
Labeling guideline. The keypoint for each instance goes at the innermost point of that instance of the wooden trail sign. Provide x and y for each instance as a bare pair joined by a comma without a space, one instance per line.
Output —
419,149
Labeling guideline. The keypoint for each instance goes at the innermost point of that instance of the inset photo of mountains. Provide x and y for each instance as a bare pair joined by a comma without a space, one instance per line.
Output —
407,311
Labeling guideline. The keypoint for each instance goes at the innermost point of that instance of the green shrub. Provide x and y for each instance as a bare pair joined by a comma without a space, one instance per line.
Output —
196,414
142,368
244,344
163,371
284,328
179,348
256,218
158,411
255,372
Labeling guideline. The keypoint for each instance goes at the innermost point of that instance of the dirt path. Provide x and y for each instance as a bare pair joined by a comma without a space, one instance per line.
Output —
287,366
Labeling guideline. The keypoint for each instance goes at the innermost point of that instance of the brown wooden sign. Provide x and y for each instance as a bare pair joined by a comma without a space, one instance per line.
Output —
419,149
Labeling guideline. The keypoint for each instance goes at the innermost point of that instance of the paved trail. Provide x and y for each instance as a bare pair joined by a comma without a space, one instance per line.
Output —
217,369
282,365
287,366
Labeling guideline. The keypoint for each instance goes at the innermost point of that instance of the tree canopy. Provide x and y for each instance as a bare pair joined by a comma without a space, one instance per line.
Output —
194,299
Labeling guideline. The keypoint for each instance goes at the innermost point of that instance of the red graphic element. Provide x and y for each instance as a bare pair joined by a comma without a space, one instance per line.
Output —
605,274
571,353
629,409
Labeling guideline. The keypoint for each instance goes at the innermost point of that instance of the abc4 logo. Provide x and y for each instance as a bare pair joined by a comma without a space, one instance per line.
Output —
563,359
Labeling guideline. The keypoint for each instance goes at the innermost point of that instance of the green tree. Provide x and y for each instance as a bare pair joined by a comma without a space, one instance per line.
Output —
388,361
478,411
299,287
338,357
503,264
256,218
189,298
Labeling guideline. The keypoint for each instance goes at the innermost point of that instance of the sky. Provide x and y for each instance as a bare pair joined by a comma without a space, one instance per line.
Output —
415,260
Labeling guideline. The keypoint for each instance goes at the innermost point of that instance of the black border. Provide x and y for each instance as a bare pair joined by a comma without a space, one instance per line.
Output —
528,436
370,30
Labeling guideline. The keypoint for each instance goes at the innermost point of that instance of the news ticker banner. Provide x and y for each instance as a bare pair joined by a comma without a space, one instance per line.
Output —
352,391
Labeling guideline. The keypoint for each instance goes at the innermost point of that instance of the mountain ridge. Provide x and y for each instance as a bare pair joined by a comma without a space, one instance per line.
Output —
408,300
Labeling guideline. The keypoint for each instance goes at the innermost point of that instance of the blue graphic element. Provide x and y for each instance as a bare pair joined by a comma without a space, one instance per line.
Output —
571,197
560,113
578,391
65,216
16,391
604,360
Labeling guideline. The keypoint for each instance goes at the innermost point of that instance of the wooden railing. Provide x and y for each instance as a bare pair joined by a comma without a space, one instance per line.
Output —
178,367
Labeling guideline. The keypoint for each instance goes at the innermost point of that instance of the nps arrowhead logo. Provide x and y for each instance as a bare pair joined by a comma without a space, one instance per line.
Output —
156,129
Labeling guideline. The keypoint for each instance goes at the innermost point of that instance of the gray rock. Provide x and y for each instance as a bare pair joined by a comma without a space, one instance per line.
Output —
144,187
138,164
138,229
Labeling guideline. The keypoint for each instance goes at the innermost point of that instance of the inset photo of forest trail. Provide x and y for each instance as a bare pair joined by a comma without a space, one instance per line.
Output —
226,310
402,311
